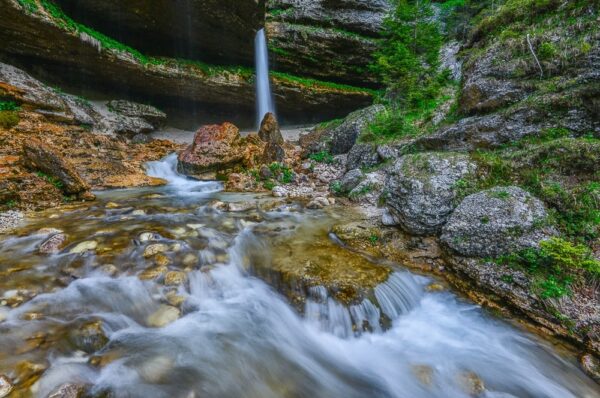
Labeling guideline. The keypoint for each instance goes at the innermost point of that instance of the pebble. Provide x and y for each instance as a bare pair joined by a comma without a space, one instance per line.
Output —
190,260
112,205
138,213
148,236
154,249
10,219
5,386
152,273
161,260
163,316
53,244
84,247
174,278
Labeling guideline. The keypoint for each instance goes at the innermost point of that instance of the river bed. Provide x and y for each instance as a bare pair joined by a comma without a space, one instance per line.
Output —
186,291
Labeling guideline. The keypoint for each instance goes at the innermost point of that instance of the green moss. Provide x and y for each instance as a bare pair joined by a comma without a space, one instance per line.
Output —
319,84
29,5
554,266
9,119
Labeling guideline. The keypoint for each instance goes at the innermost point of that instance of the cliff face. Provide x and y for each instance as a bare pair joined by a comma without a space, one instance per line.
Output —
65,53
326,39
214,31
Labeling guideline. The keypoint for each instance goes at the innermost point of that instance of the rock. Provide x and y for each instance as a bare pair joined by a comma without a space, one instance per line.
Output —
69,391
471,383
322,52
53,244
387,152
344,136
175,278
590,365
152,273
318,203
216,148
269,132
449,59
10,220
362,156
161,260
148,113
264,172
369,190
351,179
83,247
424,374
149,236
5,386
89,337
28,36
163,316
497,221
161,29
41,157
190,260
154,249
364,17
421,190
112,205
279,192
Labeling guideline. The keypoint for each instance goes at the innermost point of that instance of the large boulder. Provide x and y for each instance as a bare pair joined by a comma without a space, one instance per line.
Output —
495,222
421,190
270,133
217,149
48,160
362,156
150,114
339,138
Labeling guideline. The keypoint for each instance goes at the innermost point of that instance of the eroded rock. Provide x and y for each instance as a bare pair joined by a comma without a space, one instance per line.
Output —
497,221
42,157
421,190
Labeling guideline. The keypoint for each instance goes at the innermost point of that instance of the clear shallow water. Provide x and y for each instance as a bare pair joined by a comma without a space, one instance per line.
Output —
237,336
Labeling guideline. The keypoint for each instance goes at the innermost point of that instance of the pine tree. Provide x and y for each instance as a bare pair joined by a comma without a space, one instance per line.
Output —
408,58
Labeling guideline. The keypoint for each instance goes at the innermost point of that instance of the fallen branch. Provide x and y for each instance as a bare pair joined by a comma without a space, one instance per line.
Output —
535,56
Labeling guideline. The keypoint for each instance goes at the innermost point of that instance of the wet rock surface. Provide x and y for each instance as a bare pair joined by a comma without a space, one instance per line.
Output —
421,189
496,222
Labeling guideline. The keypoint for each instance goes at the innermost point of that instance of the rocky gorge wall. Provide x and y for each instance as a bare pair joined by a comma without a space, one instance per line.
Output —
324,39
61,49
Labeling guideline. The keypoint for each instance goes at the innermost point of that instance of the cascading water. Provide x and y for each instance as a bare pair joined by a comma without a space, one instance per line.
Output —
236,336
264,98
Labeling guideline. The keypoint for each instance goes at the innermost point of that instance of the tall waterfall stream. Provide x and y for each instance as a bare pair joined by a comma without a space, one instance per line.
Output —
237,331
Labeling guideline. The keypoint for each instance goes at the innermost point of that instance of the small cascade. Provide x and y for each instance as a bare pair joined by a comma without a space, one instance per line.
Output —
264,98
182,185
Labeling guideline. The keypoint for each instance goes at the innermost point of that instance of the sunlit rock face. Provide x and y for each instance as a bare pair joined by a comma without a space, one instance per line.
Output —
215,31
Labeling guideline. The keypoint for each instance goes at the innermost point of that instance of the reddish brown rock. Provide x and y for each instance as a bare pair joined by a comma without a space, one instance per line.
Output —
218,149
46,159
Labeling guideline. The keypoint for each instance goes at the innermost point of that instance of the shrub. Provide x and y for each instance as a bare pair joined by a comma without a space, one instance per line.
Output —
321,157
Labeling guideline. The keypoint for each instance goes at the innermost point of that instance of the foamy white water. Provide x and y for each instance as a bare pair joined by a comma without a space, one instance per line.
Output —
180,184
238,337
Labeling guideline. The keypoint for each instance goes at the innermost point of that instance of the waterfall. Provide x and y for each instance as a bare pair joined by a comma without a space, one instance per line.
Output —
263,86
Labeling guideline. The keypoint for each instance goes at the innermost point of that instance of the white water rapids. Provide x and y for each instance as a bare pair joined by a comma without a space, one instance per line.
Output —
238,337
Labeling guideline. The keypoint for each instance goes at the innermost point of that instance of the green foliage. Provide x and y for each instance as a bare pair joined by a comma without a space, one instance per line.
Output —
555,265
336,187
546,51
321,157
365,189
408,57
373,239
29,5
51,179
319,84
9,106
269,185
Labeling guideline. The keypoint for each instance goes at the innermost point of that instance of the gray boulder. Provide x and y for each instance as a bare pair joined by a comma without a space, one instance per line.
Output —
421,190
343,137
362,155
497,221
351,179
150,114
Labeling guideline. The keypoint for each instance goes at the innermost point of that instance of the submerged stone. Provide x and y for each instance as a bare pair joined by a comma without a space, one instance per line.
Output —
163,316
83,247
